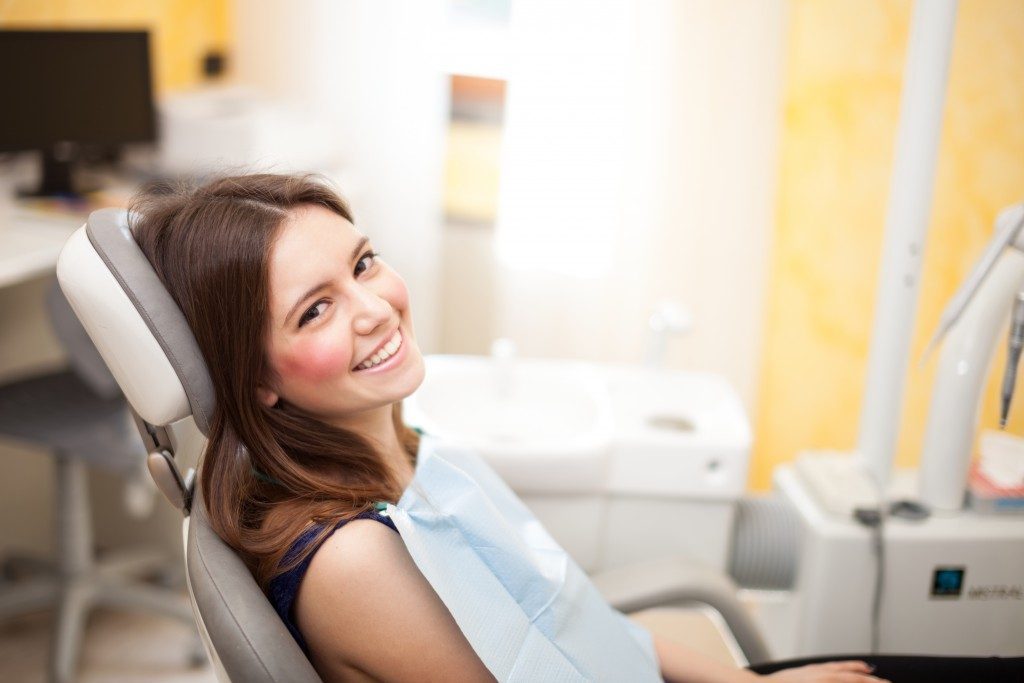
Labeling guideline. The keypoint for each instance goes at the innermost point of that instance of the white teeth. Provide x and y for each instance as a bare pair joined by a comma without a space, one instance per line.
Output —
386,352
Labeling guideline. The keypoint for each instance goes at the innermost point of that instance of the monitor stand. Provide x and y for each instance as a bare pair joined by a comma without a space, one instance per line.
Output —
58,174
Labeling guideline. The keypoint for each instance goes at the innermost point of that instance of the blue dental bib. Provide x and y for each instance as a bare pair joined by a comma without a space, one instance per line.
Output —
528,610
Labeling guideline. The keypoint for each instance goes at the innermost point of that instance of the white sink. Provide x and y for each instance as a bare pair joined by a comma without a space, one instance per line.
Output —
676,434
557,425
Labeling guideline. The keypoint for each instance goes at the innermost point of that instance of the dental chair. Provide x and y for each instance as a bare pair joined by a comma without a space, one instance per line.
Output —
144,339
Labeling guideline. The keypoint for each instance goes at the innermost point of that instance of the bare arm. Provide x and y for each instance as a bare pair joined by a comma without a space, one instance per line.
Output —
365,608
680,664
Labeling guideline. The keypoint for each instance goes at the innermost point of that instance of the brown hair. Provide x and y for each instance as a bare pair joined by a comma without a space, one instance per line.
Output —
267,474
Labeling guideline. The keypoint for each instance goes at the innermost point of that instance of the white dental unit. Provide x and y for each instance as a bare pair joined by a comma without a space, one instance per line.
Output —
627,462
951,582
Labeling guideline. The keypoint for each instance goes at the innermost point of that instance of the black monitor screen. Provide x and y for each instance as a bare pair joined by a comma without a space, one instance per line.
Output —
90,87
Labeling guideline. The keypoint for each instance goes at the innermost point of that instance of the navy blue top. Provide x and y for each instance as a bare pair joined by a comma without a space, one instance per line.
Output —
284,587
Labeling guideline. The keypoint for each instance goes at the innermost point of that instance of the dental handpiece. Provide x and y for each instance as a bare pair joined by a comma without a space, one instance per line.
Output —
1014,346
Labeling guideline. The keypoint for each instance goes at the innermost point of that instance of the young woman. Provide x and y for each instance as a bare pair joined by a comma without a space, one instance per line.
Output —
308,337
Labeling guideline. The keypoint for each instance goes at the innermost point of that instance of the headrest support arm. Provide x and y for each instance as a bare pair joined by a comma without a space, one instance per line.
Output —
163,468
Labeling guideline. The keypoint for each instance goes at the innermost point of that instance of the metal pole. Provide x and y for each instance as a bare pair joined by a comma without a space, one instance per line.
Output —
906,223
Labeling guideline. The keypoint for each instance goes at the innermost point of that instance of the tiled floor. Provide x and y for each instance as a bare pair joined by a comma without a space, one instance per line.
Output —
120,647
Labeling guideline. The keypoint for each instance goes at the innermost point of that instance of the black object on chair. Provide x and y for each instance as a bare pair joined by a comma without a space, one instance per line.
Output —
81,417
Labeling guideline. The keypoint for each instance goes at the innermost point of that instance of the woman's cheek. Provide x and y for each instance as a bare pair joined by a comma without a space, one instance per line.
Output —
314,360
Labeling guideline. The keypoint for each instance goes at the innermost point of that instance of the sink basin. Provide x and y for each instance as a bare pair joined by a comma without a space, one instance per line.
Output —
526,416
567,426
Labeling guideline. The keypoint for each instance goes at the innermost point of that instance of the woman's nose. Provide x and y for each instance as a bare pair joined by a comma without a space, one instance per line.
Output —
371,310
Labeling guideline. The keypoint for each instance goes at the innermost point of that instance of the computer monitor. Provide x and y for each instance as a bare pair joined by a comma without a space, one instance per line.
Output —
61,90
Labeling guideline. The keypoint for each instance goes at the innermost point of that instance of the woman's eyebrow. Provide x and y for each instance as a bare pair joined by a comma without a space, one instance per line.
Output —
320,285
309,292
359,245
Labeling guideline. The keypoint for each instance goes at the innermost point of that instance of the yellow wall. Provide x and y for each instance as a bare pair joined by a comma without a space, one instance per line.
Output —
182,30
843,79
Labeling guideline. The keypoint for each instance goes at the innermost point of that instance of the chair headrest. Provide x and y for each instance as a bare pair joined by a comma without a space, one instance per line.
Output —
134,322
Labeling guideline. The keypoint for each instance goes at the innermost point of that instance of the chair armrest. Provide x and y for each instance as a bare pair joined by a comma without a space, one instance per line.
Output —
675,582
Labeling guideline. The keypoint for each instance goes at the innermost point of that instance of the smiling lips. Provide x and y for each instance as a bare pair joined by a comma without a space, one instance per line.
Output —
385,351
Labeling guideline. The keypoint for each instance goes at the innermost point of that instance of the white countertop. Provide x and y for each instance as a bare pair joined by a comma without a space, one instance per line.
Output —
30,242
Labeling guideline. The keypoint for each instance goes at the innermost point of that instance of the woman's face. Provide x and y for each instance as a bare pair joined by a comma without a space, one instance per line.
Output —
332,306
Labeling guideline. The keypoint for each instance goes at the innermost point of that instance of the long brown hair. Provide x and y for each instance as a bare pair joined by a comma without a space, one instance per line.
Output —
267,474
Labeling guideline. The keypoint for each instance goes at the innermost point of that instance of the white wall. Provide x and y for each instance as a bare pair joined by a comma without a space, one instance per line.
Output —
692,219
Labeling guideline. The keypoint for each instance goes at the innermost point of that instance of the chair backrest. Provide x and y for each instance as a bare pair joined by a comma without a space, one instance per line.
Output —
144,340
251,642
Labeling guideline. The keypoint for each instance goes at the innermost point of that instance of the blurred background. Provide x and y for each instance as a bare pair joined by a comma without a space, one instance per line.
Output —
552,173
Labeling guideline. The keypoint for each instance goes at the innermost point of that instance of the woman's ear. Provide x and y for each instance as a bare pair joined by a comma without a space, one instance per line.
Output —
266,396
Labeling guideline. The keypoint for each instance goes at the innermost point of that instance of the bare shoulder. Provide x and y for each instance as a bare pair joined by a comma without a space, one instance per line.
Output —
353,551
364,606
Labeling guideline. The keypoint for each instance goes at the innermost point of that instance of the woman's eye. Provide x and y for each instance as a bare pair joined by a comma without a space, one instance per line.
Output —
312,312
369,254
317,309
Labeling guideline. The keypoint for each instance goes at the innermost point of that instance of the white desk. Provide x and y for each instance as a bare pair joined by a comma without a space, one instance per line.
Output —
30,243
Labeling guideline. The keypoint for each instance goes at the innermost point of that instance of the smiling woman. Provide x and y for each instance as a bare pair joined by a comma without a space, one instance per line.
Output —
288,305
286,302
